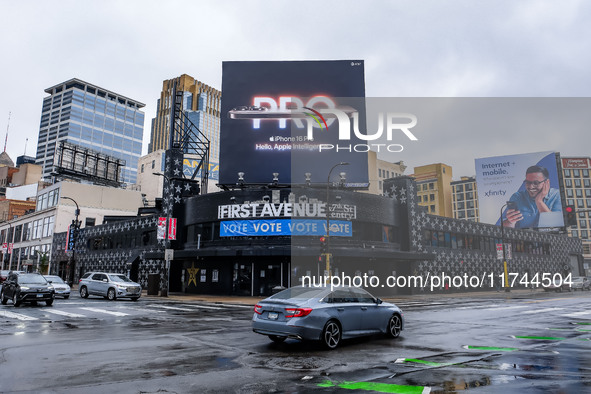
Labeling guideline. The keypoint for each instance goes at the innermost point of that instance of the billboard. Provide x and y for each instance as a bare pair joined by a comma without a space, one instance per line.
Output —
274,119
524,186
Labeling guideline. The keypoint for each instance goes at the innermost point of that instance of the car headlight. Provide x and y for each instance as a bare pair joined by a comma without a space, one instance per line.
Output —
25,288
124,288
50,288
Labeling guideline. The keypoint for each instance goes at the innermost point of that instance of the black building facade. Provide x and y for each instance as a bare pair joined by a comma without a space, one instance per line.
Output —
249,240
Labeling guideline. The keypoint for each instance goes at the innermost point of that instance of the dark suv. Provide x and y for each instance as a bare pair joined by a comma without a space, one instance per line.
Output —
23,287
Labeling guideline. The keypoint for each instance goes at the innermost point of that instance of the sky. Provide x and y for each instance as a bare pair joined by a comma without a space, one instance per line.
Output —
453,48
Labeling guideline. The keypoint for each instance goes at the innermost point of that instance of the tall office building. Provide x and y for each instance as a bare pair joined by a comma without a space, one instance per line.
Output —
90,116
201,103
434,188
465,199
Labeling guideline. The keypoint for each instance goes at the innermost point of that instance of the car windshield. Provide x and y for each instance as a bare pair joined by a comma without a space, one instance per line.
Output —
31,279
55,279
303,293
120,278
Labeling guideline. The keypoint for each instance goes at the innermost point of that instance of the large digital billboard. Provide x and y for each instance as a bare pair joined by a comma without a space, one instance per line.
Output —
525,186
277,115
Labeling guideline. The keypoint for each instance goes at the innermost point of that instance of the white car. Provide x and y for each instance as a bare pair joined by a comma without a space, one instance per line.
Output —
109,285
61,288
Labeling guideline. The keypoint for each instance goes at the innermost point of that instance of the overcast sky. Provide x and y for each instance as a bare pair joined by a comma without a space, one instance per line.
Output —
411,49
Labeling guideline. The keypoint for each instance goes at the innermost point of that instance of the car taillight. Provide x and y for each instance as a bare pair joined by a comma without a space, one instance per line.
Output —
258,309
297,312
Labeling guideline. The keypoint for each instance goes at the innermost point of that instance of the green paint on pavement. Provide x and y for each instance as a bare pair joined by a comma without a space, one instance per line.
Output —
540,338
583,324
378,387
582,329
500,349
431,363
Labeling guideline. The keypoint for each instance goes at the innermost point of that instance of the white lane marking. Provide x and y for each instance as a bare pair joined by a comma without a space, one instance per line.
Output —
504,308
18,316
542,310
203,306
105,311
237,305
62,313
173,308
577,314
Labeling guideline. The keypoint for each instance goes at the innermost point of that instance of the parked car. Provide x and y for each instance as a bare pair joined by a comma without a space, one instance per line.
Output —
109,285
580,283
326,315
553,286
60,287
26,287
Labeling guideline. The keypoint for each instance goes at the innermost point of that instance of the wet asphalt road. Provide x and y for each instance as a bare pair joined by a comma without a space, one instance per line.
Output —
532,343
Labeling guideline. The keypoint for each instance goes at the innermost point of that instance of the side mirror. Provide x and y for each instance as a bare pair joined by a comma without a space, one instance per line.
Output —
378,301
49,281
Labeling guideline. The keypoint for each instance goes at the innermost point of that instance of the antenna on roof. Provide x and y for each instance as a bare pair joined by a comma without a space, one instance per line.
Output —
7,127
26,142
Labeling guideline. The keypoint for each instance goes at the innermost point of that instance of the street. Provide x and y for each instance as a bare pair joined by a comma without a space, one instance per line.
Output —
519,342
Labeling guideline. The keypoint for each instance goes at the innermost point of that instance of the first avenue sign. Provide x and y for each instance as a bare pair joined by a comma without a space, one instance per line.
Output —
286,209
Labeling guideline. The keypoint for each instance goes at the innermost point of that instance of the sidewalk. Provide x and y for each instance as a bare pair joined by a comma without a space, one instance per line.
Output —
514,294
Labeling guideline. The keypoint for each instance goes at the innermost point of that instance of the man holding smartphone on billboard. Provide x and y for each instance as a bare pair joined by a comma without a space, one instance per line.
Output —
527,207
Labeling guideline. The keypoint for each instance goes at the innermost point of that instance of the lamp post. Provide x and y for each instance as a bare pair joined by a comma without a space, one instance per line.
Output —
328,255
507,288
72,265
164,291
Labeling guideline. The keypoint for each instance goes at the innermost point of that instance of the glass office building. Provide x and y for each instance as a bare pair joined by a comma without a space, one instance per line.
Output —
90,116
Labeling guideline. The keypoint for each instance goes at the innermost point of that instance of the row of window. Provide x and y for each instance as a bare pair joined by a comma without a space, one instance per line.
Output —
32,230
446,239
426,186
467,187
48,200
577,173
577,183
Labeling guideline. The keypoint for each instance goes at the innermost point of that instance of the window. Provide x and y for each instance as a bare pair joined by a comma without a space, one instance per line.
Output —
576,173
153,164
431,186
142,170
89,222
431,197
566,172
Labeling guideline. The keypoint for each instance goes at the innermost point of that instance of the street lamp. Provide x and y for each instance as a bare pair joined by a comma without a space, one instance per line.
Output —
71,269
507,288
164,291
328,254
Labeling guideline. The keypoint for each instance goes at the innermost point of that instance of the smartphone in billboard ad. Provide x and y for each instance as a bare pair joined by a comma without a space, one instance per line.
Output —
279,120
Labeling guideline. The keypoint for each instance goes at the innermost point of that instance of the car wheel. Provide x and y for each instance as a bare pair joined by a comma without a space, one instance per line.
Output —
49,302
83,292
394,326
111,294
15,301
277,338
331,334
4,299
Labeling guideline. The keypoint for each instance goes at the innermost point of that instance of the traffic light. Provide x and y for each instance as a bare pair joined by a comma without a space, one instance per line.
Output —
571,215
322,245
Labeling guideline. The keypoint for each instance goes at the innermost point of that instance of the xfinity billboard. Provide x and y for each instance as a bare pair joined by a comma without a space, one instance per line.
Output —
525,187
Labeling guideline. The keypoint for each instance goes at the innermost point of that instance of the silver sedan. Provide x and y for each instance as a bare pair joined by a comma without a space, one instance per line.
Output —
325,314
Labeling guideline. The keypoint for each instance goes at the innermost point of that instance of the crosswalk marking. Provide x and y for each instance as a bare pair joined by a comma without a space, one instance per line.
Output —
63,313
105,311
542,310
18,316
